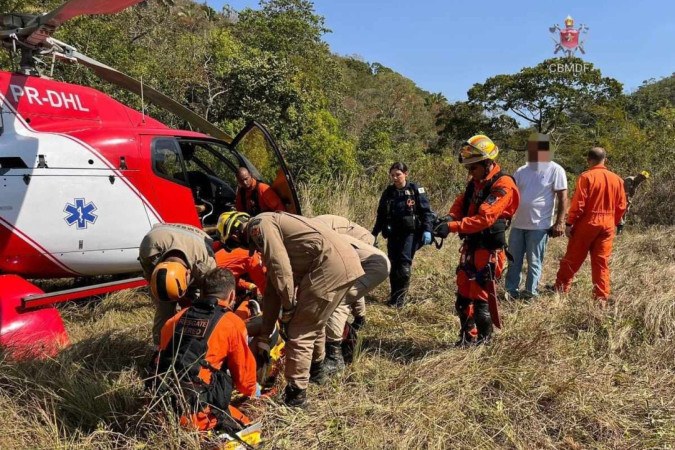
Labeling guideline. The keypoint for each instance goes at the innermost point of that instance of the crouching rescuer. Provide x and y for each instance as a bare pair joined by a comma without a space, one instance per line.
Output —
376,266
480,216
203,355
310,268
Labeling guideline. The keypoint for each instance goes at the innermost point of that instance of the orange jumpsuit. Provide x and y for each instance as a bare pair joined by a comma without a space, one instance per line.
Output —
475,280
226,345
598,205
259,198
240,263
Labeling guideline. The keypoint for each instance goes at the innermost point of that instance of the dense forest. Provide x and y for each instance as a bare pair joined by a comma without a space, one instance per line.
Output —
337,116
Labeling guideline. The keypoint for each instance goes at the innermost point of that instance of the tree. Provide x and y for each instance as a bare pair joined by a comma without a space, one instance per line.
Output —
288,27
461,120
652,96
322,151
544,95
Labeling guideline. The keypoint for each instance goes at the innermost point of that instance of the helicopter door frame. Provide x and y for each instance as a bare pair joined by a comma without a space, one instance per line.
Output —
277,152
155,145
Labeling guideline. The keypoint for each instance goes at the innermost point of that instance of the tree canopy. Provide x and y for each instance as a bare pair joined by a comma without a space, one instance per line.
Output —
545,95
341,115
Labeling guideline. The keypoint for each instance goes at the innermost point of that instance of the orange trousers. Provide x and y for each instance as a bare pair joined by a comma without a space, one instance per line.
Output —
597,239
467,285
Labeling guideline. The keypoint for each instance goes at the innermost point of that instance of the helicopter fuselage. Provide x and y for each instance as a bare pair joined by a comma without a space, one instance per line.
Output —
79,187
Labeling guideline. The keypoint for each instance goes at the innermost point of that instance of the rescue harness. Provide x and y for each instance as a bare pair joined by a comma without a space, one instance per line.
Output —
492,238
180,362
253,205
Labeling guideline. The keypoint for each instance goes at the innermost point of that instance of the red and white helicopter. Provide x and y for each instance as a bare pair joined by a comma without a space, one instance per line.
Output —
83,177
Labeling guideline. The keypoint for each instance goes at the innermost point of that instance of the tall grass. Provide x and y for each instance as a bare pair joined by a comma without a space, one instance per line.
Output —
561,374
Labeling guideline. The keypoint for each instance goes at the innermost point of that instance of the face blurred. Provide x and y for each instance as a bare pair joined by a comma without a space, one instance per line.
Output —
398,178
538,148
534,155
244,179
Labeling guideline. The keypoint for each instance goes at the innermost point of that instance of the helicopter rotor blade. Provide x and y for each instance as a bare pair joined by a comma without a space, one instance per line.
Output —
131,84
42,27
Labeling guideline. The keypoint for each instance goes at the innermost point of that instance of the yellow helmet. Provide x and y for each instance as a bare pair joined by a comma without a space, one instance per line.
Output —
169,281
477,148
229,221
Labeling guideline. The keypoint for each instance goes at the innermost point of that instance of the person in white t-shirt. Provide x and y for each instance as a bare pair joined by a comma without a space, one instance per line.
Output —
543,202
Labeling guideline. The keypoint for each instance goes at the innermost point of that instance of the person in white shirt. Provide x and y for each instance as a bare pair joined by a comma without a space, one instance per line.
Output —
543,188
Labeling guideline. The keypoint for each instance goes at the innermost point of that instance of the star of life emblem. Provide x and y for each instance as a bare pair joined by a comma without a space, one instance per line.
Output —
80,213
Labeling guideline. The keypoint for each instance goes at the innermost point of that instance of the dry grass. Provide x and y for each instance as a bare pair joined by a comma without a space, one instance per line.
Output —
562,373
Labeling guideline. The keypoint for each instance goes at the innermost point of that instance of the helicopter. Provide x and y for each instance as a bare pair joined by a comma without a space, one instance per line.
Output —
83,177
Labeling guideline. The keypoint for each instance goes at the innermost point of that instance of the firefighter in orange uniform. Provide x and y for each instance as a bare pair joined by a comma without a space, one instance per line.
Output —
205,349
480,215
248,270
254,197
597,208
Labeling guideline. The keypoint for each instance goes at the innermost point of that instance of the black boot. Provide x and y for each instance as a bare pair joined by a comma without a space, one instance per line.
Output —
294,396
358,323
350,336
317,372
463,307
400,281
334,362
483,321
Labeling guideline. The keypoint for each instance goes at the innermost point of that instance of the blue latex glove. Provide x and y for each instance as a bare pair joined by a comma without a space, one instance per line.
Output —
257,390
426,238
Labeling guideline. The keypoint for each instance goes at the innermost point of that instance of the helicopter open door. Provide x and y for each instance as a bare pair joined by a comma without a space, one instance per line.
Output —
267,164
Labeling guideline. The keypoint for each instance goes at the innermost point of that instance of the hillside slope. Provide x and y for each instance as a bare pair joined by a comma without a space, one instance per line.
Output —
562,373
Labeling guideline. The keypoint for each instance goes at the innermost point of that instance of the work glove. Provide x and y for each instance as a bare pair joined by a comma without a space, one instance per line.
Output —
619,229
426,238
442,230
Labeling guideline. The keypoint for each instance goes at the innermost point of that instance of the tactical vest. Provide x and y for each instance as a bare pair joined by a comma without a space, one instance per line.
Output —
252,206
184,357
491,238
409,222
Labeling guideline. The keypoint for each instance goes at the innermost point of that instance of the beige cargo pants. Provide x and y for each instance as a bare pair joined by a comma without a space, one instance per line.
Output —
306,330
376,266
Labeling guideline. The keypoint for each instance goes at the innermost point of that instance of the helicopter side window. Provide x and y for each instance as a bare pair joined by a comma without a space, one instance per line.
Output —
166,160
211,175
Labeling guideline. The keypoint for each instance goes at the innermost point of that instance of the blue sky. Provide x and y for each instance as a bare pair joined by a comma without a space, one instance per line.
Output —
446,46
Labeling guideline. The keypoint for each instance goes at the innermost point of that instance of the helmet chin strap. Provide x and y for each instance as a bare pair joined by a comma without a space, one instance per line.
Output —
488,164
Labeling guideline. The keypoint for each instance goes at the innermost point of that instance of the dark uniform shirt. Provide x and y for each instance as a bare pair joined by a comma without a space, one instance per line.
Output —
404,210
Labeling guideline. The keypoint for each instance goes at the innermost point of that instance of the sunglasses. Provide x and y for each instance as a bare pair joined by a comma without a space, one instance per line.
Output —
472,167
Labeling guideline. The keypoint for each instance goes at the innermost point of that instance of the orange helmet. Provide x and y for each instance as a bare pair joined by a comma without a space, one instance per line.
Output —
169,281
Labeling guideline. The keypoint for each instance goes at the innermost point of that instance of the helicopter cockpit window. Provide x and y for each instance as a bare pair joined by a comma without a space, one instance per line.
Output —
166,160
210,169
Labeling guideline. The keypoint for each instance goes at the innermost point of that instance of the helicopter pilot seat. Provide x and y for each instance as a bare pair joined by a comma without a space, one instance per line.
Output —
212,195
